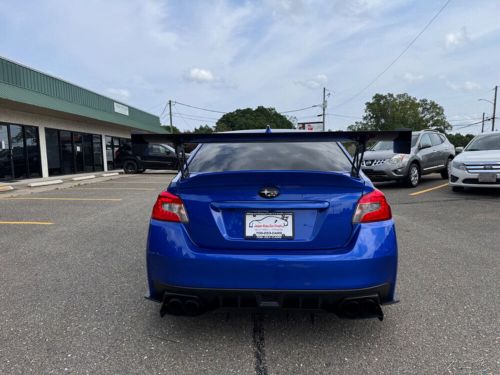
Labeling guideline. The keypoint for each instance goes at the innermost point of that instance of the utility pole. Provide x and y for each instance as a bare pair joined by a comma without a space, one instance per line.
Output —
170,112
482,126
324,106
494,110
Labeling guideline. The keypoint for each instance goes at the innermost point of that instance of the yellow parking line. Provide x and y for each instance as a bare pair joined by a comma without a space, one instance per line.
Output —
61,199
25,223
116,188
430,189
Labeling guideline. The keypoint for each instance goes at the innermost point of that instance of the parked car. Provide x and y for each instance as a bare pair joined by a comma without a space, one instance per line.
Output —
271,223
431,152
478,165
136,159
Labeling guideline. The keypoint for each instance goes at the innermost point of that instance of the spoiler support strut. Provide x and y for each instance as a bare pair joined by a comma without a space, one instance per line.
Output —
182,165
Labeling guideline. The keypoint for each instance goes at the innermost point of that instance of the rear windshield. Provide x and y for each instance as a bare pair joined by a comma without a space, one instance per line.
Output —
307,156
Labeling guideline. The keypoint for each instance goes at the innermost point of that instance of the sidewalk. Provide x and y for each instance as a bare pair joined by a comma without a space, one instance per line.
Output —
28,186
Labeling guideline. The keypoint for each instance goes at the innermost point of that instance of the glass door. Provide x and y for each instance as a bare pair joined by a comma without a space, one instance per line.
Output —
67,156
5,154
88,154
32,152
78,142
18,151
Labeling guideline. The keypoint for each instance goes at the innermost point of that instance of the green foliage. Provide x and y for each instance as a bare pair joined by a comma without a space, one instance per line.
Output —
389,112
203,129
174,128
460,140
249,118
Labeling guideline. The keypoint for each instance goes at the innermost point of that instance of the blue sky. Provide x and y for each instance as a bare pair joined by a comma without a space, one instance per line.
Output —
232,54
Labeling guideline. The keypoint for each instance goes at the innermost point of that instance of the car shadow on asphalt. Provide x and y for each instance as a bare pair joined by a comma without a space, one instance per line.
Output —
425,182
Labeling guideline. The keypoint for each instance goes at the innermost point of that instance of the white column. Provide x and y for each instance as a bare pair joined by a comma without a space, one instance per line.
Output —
43,151
104,155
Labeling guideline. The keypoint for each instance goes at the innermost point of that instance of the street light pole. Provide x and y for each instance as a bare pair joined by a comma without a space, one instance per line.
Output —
482,126
170,112
494,110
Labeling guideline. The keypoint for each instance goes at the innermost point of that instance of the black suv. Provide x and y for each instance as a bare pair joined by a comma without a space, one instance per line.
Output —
138,158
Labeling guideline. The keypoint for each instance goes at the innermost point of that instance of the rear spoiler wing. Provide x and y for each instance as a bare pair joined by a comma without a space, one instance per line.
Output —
401,139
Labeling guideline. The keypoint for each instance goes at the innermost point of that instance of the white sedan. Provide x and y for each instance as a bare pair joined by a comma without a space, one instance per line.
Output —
478,165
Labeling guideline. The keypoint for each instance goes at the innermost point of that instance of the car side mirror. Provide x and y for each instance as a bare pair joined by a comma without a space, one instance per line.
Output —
458,150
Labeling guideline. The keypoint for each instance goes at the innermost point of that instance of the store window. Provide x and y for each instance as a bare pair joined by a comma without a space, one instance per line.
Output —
112,146
73,152
19,152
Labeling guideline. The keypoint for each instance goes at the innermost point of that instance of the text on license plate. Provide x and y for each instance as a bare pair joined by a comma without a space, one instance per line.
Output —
487,177
269,225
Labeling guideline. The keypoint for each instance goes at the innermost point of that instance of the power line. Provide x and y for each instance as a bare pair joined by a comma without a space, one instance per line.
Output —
183,119
200,108
300,109
222,112
197,116
344,116
399,56
193,118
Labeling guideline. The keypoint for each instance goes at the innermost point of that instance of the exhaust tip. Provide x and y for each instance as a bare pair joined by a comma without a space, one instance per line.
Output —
192,307
173,306
361,308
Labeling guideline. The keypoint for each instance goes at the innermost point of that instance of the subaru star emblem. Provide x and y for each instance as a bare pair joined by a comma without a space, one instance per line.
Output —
269,192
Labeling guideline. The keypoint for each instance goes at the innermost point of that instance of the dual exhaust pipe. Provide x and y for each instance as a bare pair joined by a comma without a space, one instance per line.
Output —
178,305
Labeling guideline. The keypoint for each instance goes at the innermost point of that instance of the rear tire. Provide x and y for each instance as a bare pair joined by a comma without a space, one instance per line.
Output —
457,189
130,167
413,177
445,173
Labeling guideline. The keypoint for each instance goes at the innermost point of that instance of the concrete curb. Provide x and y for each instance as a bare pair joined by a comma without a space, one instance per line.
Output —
6,188
110,174
81,178
45,183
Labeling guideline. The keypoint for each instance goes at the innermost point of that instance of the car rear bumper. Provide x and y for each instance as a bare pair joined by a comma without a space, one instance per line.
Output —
369,261
461,178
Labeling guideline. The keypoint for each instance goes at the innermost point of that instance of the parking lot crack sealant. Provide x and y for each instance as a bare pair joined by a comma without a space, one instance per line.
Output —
259,345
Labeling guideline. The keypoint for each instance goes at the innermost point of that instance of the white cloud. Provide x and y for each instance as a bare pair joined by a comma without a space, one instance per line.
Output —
456,39
199,75
410,77
119,93
315,82
466,86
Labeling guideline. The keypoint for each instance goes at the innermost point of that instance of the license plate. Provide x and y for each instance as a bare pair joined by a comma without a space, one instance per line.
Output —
487,177
269,225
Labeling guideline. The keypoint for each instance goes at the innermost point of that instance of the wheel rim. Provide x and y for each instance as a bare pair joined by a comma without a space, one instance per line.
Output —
128,167
414,175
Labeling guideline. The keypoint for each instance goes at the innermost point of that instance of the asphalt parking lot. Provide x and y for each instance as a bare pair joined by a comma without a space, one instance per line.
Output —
72,276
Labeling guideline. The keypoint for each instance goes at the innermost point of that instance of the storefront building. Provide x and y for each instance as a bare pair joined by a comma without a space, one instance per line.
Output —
49,127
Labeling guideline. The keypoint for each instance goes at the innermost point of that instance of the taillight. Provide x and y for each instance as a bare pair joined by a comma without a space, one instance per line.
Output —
372,207
169,207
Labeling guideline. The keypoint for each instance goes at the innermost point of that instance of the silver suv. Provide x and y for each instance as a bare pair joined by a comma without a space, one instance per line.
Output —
431,152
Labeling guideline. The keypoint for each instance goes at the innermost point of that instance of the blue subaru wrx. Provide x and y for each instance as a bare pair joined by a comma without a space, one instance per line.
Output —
269,219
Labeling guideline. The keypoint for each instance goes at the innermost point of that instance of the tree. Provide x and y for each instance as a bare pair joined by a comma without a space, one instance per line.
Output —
203,129
249,118
174,128
460,140
389,112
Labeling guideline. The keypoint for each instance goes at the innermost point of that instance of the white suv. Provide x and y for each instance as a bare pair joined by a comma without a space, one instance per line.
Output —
478,165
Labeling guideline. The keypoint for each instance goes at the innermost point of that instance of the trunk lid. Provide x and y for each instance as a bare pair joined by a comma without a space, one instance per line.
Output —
322,205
